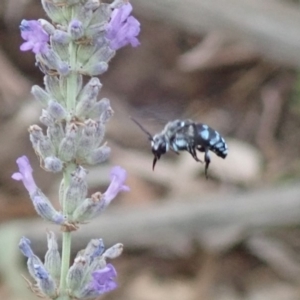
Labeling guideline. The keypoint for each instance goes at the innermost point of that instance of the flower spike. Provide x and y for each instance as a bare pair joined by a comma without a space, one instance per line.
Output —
78,40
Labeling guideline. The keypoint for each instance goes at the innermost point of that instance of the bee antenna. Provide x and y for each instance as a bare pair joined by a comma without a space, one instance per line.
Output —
142,128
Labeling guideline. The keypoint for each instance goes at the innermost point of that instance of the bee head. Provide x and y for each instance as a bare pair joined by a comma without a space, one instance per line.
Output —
158,143
159,146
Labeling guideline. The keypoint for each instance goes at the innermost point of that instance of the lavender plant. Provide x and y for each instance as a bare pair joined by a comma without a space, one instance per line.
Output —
78,43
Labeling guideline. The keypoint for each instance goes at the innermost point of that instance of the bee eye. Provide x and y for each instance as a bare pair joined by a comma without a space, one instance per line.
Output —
162,148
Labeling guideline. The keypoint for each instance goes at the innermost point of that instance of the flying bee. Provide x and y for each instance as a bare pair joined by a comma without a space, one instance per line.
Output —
186,135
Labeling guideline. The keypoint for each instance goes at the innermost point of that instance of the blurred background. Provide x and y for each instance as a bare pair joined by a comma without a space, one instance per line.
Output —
232,64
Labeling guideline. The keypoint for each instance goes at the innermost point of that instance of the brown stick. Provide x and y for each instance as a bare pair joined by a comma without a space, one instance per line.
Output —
215,224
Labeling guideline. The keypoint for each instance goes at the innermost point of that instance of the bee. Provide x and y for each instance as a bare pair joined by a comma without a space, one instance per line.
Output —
186,135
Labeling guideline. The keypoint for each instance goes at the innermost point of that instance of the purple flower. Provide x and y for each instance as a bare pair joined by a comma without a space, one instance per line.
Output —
122,28
117,177
25,174
40,202
103,279
36,39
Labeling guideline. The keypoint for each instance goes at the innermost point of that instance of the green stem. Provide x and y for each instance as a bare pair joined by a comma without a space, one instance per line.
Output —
66,239
65,261
66,236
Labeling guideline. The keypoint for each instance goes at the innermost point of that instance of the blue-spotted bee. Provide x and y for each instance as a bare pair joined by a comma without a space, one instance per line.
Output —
186,135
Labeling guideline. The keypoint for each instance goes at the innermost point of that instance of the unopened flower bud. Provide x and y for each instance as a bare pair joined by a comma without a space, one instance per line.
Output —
56,110
113,251
61,37
47,26
41,143
37,270
90,127
102,14
46,119
94,249
98,63
92,4
25,248
101,110
55,133
88,97
55,13
53,87
88,209
77,189
98,155
99,134
84,147
33,260
53,61
67,147
96,29
45,209
75,29
35,135
53,164
61,49
52,256
88,139
100,41
85,52
94,69
45,282
41,95
75,275
104,54
106,115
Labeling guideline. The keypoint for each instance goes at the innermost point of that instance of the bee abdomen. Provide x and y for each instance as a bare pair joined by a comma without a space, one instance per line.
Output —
220,148
211,139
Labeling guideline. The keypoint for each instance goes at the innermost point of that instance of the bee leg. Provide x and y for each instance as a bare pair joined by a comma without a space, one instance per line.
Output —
192,151
207,161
